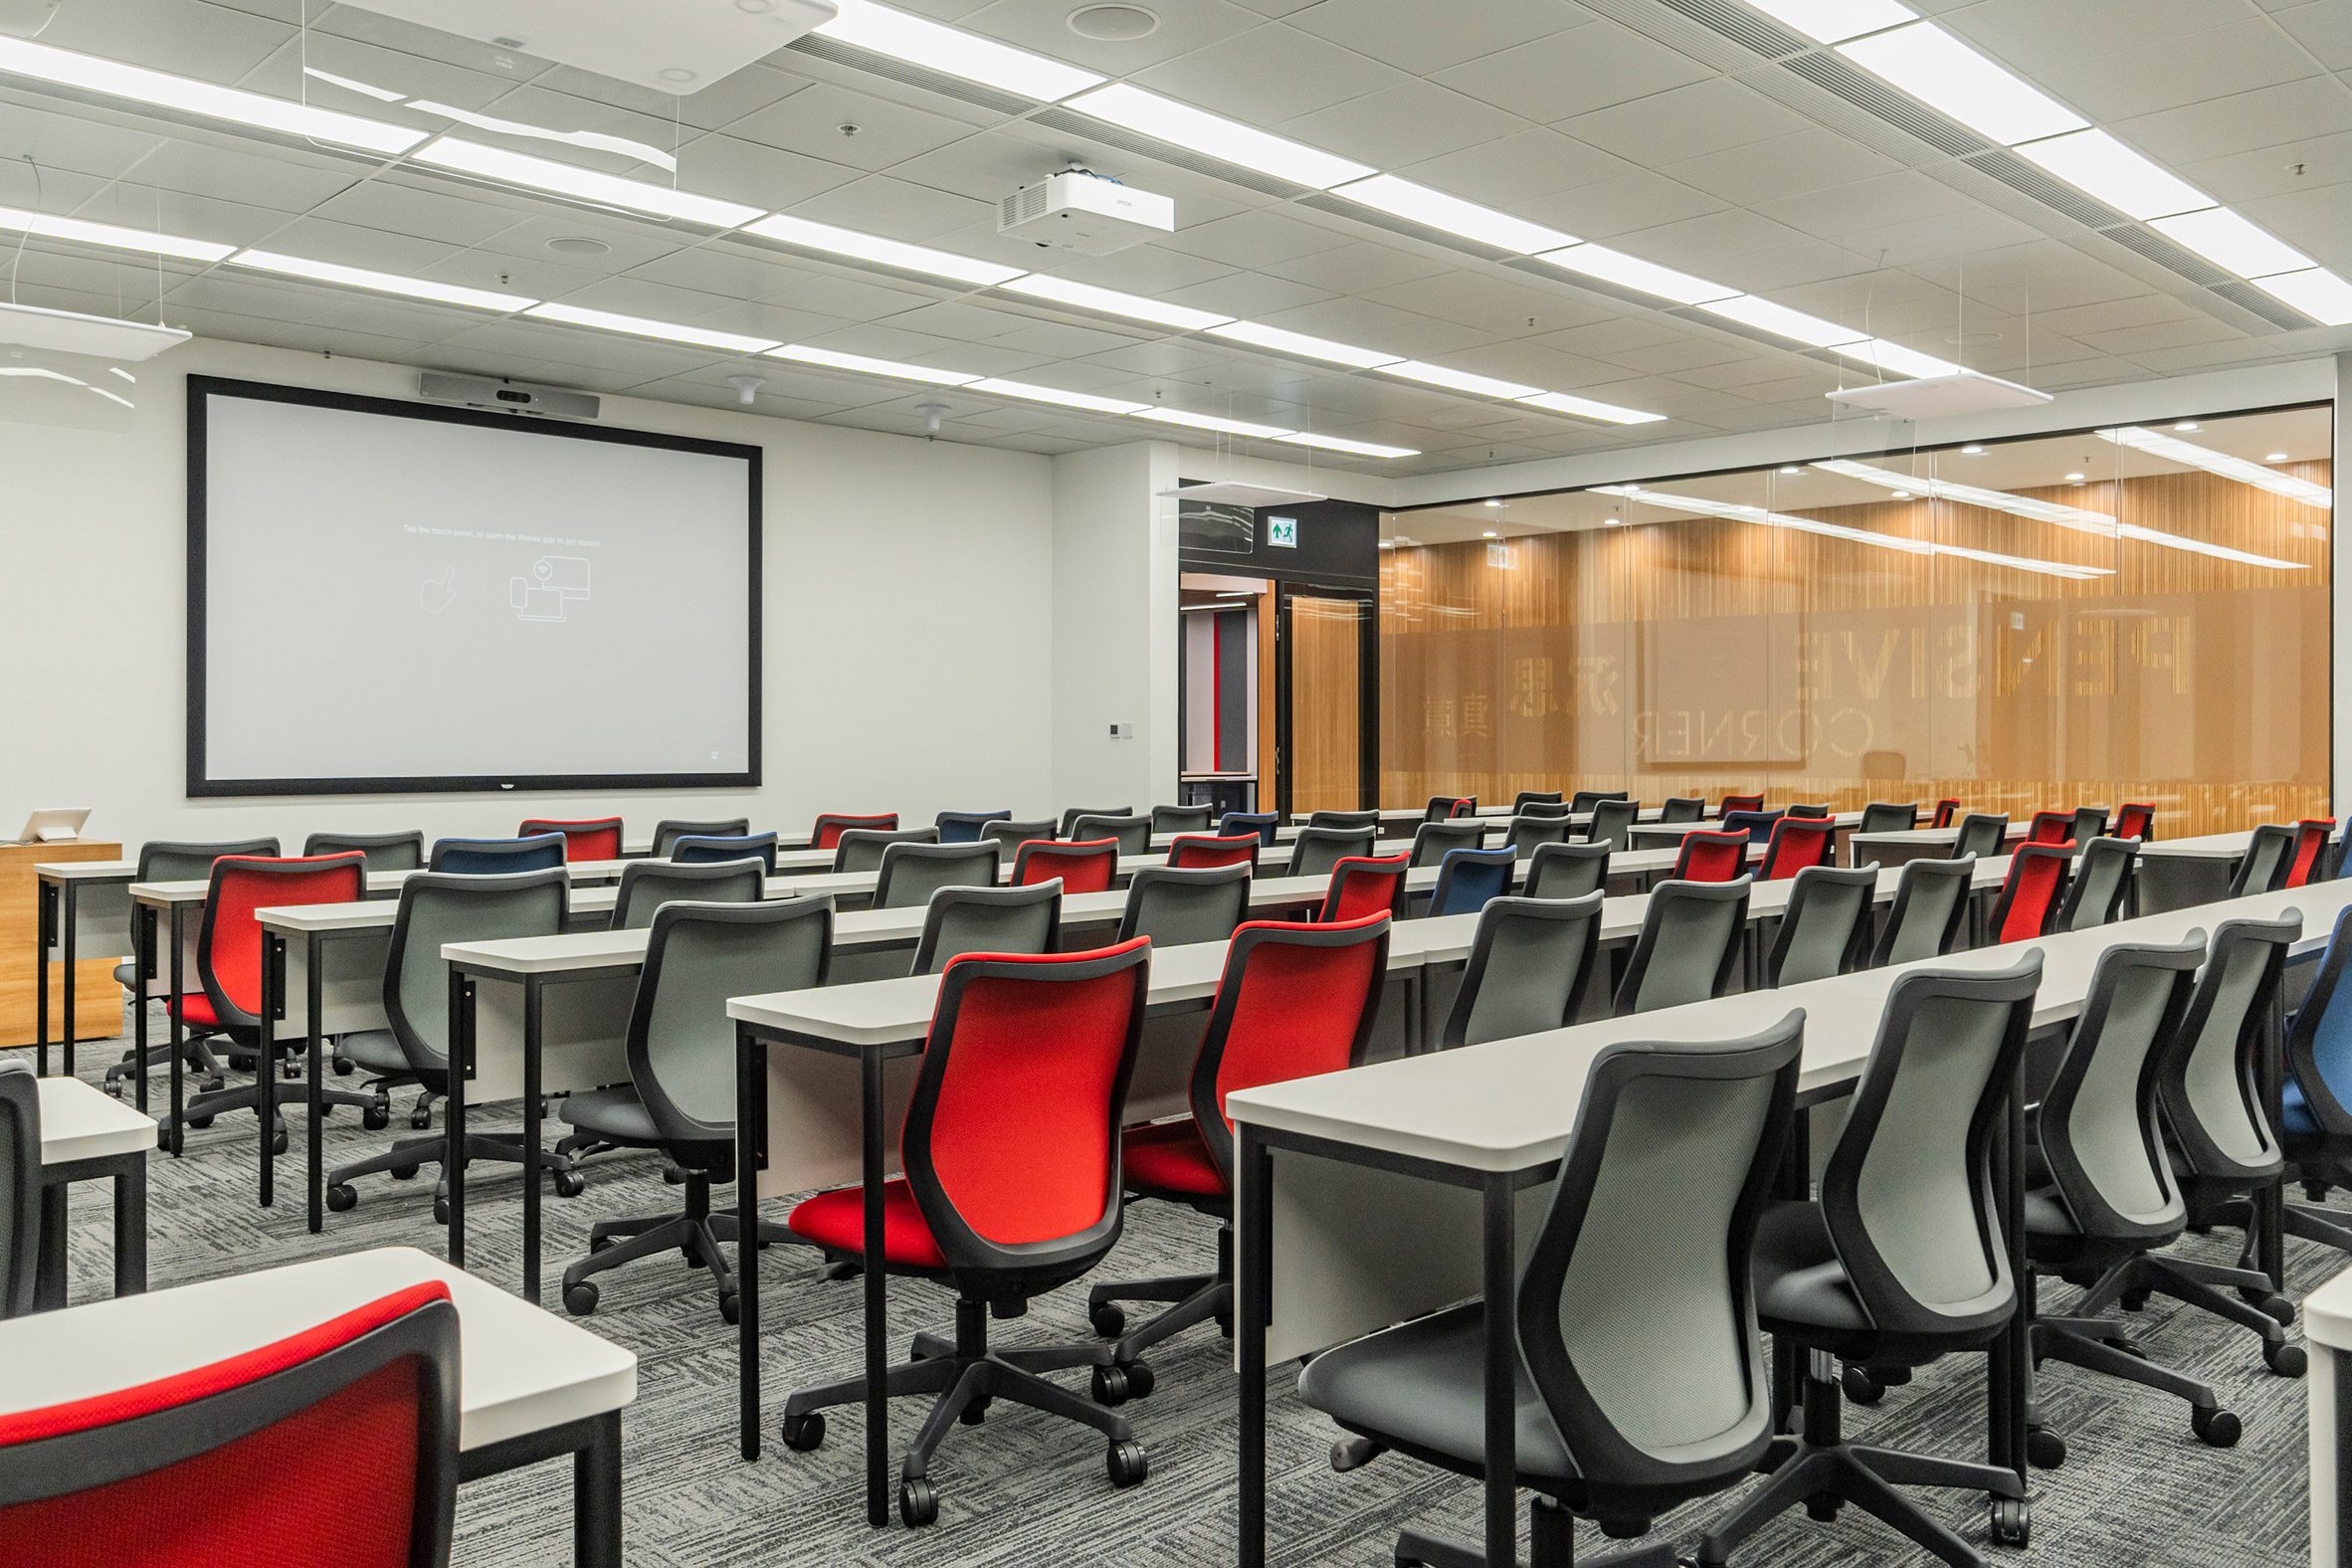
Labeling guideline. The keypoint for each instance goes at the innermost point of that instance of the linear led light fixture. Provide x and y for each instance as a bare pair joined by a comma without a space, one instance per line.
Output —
1361,448
569,179
2232,243
1955,81
1731,511
380,283
64,67
1435,209
1781,322
1883,355
1229,427
1459,380
2188,452
2093,161
2317,293
1836,21
639,326
146,241
1055,395
1630,272
866,364
826,237
1201,131
1110,302
1290,342
953,51
1590,408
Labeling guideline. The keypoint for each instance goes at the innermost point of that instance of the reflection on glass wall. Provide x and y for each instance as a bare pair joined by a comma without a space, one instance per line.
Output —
2133,614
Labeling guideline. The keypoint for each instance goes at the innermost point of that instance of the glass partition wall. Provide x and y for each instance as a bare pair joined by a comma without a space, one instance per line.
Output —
2138,613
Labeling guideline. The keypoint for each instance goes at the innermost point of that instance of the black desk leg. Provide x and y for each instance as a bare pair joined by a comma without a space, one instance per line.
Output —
751,1138
596,1497
531,1003
878,1323
2009,1372
1254,1222
48,1273
461,1068
266,1070
179,1034
142,965
315,1080
64,935
43,917
1502,1369
1795,1183
131,1229
2269,1199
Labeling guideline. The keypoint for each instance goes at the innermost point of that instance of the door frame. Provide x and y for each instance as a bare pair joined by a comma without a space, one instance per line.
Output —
1367,687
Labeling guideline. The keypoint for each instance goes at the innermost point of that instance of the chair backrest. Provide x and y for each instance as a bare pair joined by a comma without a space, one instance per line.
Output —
669,830
1006,831
1131,834
1566,870
1174,906
861,849
1815,812
2137,820
832,825
1885,816
1236,823
1826,928
1075,813
1636,1308
2100,1129
1681,808
584,839
964,827
1930,908
2319,1040
1690,944
1082,866
2209,1080
384,851
1527,833
2263,865
1613,821
1533,797
1908,1191
646,886
2307,862
1316,849
1344,819
2032,895
910,873
2052,827
1182,819
167,860
2091,822
229,943
1945,811
682,1044
1469,878
1442,807
1732,803
134,1478
960,920
496,857
20,1185
1371,884
1196,854
2102,876
1544,811
1529,965
1984,835
1585,800
1797,843
704,849
455,907
1713,857
1012,1137
1432,840
1758,825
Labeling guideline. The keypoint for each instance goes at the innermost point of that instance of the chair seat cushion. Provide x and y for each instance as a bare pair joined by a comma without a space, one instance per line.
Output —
374,1051
126,975
1168,1158
1800,1282
2294,1110
836,1221
2046,1214
1423,1384
615,1115
194,1010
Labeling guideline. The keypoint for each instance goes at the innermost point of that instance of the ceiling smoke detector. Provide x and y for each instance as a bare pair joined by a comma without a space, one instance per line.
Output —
578,245
1114,23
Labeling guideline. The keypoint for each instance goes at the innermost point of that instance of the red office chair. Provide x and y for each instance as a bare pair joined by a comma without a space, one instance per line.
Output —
1295,1001
1087,866
1012,1187
2052,827
1363,885
137,1478
827,834
1732,803
229,964
587,839
2307,861
1715,856
1946,811
1203,853
2030,896
1796,842
2136,820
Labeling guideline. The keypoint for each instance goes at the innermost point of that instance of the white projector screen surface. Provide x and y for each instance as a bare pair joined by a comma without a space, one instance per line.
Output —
392,597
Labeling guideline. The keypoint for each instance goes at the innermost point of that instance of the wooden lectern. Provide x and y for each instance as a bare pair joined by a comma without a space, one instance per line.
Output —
96,998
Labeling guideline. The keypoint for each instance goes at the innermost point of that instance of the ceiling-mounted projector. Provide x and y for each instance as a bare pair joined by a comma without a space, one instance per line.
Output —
1077,210
671,46
94,336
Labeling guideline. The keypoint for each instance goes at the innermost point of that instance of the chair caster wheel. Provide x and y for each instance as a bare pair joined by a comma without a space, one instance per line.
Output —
1824,1509
598,1244
570,1184
278,1141
2284,1359
975,1412
2282,1310
1112,1386
2133,1301
421,1119
1128,1462
580,1300
375,1118
169,1140
1860,1387
1109,1322
2215,1428
200,1122
341,1197
344,1066
440,1209
403,1172
918,1503
213,1084
2045,1448
2012,1522
693,1254
730,1308
804,1433
115,1088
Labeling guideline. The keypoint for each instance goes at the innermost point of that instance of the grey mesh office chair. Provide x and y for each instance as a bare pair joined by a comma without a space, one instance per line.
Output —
1316,849
1690,944
669,830
1173,907
385,851
699,849
1901,1259
1808,813
1432,840
1529,964
20,1185
435,909
2091,822
1613,822
646,886
2103,881
1641,1375
1566,870
1070,817
1182,819
1545,810
1234,824
1534,797
2263,868
164,861
536,852
1585,800
1013,834
1984,835
911,872
1881,816
965,827
961,920
1826,928
1683,808
1132,833
1930,908
1344,819
861,849
1530,832
680,1094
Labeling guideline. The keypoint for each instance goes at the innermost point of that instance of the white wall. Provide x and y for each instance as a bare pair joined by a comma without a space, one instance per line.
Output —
910,660
1115,625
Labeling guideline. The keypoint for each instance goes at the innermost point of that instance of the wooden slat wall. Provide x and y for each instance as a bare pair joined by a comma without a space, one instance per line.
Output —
1699,657
1326,704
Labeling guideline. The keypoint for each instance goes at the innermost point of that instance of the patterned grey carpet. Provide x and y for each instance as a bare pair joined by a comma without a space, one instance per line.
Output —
1025,1492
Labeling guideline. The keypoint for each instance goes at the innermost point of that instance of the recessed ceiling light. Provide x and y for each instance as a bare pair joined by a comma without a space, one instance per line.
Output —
1230,427
2238,468
2188,426
1791,467
1458,380
578,245
380,283
1037,394
826,237
1290,342
1903,495
675,74
1781,322
2275,457
639,326
2317,293
1836,21
1589,408
108,233
209,100
1492,534
1361,448
2096,162
1613,521
1110,302
2228,241
1630,272
954,52
1972,450
1947,76
1114,23
569,179
866,364
2074,478
1219,138
1493,504
1434,209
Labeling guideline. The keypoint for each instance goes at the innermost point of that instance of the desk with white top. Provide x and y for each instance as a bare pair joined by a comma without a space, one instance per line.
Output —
1671,833
2177,873
1917,843
87,1135
2327,1325
78,908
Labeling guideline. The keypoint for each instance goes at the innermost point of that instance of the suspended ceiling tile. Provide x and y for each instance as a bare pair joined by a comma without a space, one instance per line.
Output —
1360,268
1685,123
2147,73
57,140
322,239
221,46
2129,341
1250,295
1561,74
809,124
1403,124
1246,74
1260,240
1626,204
1756,172
1042,26
1509,171
426,214
1401,32
2325,27
734,168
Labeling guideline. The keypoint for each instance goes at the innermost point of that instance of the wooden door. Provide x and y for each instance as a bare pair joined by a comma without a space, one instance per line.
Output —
1325,750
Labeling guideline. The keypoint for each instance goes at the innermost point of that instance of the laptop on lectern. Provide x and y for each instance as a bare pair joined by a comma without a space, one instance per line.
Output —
59,824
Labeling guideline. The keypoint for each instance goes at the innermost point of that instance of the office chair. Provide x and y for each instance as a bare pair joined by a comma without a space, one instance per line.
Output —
1442,808
1176,905
1983,835
1795,844
1236,823
2314,1122
1016,834
1085,867
1931,909
2264,866
1182,819
1758,825
646,886
830,826
964,827
1566,870
1946,810
1713,857
138,1476
695,849
384,851
1826,928
861,849
680,1093
1681,808
1732,803
1586,799
1900,1260
2052,827
1371,884
960,920
1691,941
1467,880
2101,881
2306,860
910,873
1316,849
2030,895
1432,840
1529,965
1613,822
20,1185
163,861
1198,853
1295,1001
2091,822
1881,816
437,908
587,839
1807,812
1069,818
496,857
1064,1028
1533,797
1131,834
1544,811
669,830
1528,833
2137,820
1641,1376
229,959
1344,819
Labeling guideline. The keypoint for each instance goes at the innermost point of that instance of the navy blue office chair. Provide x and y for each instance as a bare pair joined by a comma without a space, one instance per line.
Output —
669,830
1468,878
541,852
1758,825
1236,823
709,849
965,827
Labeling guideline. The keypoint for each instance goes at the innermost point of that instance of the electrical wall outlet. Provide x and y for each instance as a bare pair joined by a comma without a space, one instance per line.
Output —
1123,731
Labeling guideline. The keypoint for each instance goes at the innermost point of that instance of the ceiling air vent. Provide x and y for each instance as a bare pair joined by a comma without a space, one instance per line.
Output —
818,47
2156,248
2022,177
1898,110
2276,312
1742,26
1106,134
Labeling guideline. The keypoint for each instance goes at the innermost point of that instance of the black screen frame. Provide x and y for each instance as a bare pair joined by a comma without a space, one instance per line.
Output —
200,783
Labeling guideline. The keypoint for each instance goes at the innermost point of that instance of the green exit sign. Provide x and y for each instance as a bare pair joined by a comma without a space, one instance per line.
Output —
1283,532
